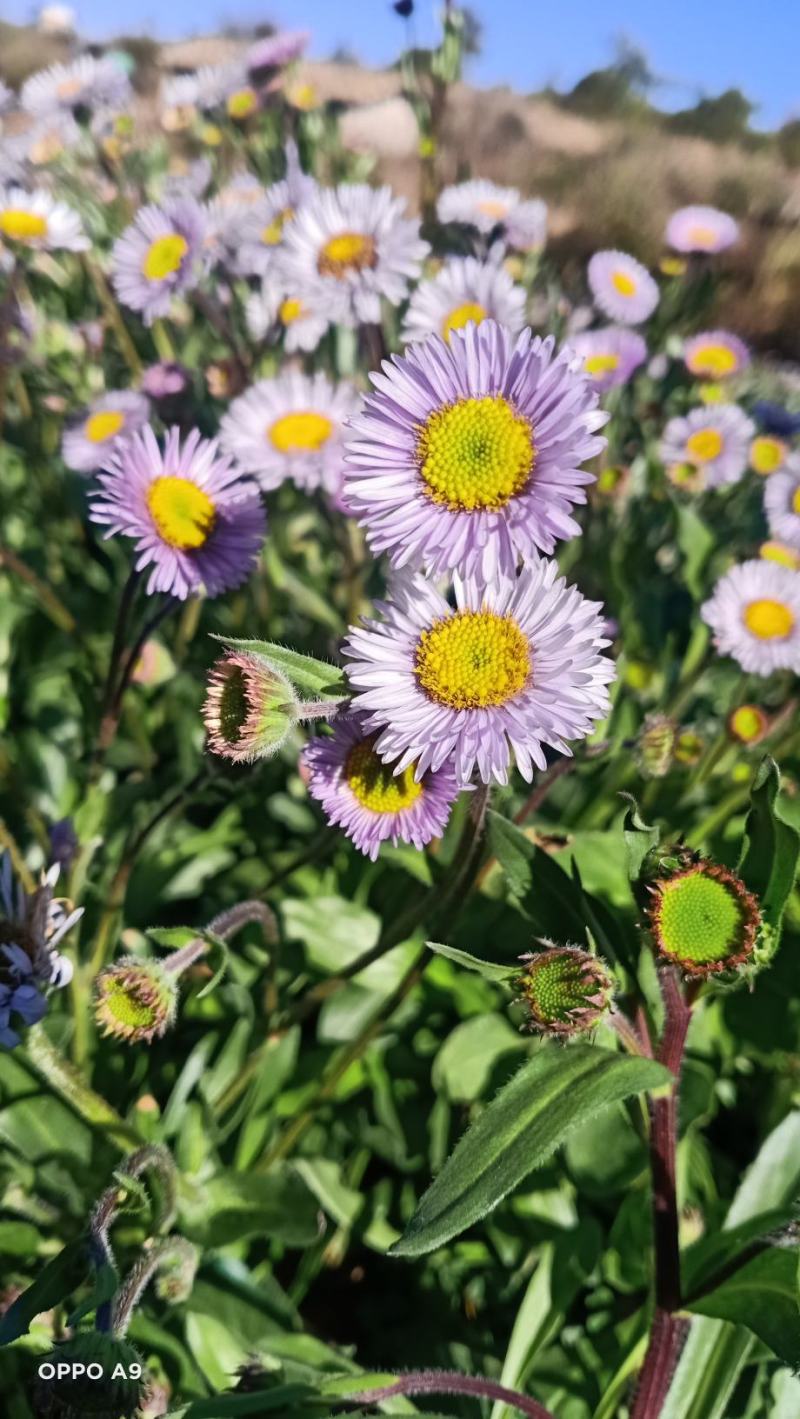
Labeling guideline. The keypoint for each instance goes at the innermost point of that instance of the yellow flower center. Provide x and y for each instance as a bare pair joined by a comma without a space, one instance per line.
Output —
183,513
623,283
704,445
766,455
290,310
780,553
242,103
768,619
21,225
716,360
164,256
273,232
302,431
472,659
601,364
490,208
478,453
102,426
349,251
748,723
373,783
704,237
68,88
462,315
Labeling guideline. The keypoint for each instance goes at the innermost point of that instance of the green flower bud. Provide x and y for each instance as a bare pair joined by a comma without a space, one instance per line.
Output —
91,1376
135,999
656,746
567,990
250,707
703,919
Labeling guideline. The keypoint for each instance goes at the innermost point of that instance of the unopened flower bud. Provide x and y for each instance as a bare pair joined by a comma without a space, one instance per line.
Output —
688,747
135,1000
176,1270
250,707
748,724
567,990
111,1384
703,919
656,746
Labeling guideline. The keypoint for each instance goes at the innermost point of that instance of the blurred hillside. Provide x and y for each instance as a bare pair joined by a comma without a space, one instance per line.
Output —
610,164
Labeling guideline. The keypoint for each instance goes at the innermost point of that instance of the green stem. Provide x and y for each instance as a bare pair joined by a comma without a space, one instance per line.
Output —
112,313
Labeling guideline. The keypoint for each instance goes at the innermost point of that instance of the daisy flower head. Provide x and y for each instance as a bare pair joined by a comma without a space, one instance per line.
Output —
465,290
85,83
702,229
514,665
112,417
274,307
610,356
782,503
37,222
158,255
198,523
715,354
468,454
290,427
371,800
262,228
714,441
754,614
32,925
274,51
622,287
485,206
348,246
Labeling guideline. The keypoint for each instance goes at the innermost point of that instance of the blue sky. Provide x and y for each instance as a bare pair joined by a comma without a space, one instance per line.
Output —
703,46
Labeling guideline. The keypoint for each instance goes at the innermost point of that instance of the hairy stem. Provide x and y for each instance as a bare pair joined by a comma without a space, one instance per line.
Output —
451,1382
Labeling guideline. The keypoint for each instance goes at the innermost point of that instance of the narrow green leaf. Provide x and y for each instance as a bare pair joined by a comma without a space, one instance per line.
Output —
58,1279
173,937
771,846
487,969
219,949
267,1401
640,837
308,675
762,1295
531,1116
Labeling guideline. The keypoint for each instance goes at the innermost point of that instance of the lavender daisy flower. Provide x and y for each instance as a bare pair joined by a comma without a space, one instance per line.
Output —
754,613
32,926
36,221
8,98
714,440
782,503
198,523
348,247
468,455
262,230
100,428
622,288
372,801
465,290
514,666
276,308
700,228
610,356
290,427
159,255
274,51
86,83
485,206
715,354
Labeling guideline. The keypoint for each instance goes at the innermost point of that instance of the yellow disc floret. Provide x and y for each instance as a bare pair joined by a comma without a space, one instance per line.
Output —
372,782
349,251
164,256
473,659
768,619
716,360
623,283
290,310
704,445
302,431
242,103
183,513
462,315
601,364
272,233
20,225
103,425
478,453
766,454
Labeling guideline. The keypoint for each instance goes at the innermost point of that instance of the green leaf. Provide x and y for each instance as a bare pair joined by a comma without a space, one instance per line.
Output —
58,1279
308,675
487,969
228,1406
520,1129
640,838
218,947
695,541
554,902
708,1371
466,1061
771,846
763,1296
232,1206
173,937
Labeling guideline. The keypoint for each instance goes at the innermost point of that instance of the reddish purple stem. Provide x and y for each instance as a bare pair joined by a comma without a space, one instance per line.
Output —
451,1382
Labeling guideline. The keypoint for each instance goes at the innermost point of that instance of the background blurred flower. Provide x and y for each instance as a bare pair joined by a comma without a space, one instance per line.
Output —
622,288
611,355
290,427
715,354
782,503
754,613
699,228
112,417
158,255
715,441
464,290
37,221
